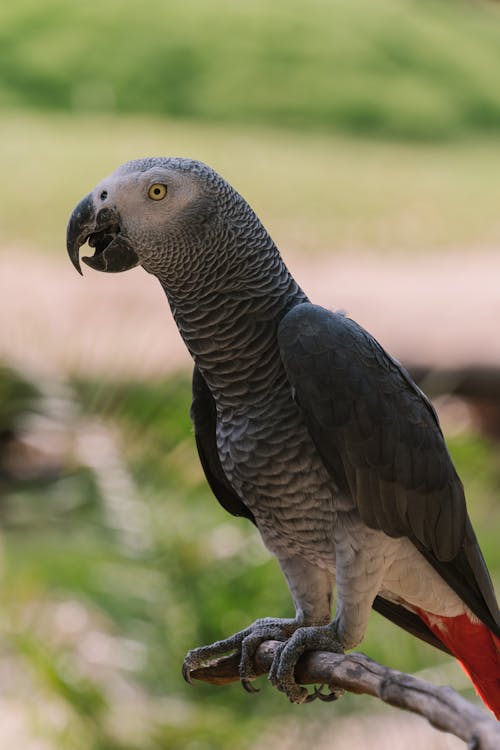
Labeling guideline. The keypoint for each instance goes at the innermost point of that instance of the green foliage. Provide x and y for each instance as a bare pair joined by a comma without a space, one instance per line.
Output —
55,670
424,70
17,395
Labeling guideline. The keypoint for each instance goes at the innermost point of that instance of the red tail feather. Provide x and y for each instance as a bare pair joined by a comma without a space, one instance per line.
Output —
477,650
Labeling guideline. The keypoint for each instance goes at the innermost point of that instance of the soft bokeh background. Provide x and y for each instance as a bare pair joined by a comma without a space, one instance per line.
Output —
367,137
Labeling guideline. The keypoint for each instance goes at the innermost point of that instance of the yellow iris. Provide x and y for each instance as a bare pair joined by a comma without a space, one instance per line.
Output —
157,192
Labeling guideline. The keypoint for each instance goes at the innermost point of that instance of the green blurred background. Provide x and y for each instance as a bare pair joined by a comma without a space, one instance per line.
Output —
368,126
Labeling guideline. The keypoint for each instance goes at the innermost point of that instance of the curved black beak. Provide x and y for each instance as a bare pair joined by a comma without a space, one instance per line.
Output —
102,230
80,226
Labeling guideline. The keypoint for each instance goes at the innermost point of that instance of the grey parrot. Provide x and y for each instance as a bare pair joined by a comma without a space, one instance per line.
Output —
305,426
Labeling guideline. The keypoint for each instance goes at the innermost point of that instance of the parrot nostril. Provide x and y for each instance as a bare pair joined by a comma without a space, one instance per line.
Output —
104,195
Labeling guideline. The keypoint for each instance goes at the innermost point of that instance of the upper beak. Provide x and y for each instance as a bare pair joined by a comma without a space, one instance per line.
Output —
102,230
80,226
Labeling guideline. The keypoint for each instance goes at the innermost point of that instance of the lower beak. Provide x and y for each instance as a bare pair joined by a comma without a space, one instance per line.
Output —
102,230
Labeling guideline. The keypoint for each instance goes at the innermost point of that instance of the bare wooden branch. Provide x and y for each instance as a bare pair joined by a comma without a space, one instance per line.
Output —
445,709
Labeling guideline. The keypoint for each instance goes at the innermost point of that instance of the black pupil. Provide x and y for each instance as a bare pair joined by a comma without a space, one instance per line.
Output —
104,195
157,191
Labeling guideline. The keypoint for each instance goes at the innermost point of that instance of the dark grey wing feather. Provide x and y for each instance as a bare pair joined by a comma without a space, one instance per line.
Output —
204,418
380,439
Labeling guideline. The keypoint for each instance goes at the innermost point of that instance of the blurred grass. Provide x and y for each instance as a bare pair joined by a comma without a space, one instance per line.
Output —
315,195
100,626
423,70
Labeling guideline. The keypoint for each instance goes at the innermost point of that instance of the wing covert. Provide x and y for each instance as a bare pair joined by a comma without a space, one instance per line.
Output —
374,429
380,439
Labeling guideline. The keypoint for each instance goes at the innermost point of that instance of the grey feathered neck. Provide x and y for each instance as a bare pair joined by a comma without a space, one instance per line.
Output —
235,286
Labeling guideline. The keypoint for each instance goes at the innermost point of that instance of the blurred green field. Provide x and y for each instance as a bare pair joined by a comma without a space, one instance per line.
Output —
424,70
321,194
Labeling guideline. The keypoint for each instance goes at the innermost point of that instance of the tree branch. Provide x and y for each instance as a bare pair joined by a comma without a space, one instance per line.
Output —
441,706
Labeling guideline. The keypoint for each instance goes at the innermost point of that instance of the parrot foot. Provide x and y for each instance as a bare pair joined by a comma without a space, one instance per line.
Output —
333,695
246,642
281,674
296,640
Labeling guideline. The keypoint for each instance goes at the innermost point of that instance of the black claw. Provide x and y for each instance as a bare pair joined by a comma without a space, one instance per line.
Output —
247,685
312,696
329,697
333,695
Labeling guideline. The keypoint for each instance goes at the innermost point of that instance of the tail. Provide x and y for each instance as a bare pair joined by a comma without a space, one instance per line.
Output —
477,650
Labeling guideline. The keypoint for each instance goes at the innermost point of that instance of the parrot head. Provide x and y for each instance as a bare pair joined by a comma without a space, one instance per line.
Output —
157,212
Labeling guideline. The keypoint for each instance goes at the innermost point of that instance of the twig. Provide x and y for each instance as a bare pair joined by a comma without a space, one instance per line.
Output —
441,706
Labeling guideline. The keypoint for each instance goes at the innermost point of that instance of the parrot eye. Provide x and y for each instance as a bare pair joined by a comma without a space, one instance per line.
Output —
157,192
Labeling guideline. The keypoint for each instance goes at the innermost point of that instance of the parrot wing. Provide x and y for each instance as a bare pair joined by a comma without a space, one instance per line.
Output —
379,437
204,418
